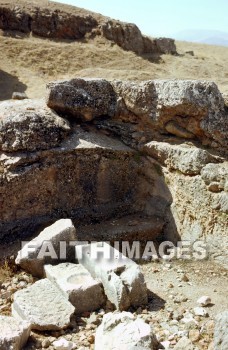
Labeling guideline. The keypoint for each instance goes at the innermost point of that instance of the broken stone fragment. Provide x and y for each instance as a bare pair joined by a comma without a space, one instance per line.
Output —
43,305
204,300
122,279
31,126
63,344
47,248
19,96
221,335
13,333
77,285
85,99
123,331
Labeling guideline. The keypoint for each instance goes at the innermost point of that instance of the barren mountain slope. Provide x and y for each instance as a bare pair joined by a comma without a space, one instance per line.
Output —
28,62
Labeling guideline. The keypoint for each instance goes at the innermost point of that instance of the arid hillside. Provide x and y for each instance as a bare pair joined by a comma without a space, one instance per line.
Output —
28,62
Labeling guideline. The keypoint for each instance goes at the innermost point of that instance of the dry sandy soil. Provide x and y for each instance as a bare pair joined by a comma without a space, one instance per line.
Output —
28,63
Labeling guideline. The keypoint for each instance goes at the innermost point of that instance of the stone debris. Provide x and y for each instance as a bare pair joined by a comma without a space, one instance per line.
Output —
122,279
123,331
221,334
204,300
32,257
63,344
19,96
13,333
76,284
184,344
200,311
43,305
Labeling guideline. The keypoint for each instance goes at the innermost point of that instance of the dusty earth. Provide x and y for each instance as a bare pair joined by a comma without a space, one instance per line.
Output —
173,286
28,63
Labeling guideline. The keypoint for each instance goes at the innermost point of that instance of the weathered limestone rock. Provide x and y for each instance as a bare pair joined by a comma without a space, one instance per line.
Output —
122,331
76,284
122,279
63,344
19,96
14,334
82,98
126,35
185,158
221,336
216,176
90,176
46,247
204,300
30,126
188,108
43,305
198,213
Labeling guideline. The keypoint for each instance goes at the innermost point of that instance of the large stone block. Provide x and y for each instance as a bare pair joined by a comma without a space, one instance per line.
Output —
85,99
77,285
48,247
43,305
122,279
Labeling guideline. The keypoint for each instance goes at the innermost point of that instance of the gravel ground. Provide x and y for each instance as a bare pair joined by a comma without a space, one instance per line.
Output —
174,288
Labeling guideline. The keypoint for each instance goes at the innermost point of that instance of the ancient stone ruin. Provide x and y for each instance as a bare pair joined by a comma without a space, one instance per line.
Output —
98,151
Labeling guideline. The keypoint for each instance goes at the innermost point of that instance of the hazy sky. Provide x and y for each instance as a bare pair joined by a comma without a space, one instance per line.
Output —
163,17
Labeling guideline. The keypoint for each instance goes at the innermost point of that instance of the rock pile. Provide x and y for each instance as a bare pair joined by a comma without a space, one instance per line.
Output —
50,303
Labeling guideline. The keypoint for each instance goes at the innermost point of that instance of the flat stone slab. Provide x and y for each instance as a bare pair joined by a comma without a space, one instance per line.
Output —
77,284
128,228
43,305
13,333
45,248
121,277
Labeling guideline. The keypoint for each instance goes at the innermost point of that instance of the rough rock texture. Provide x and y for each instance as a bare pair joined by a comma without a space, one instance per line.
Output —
76,284
184,343
74,23
14,334
82,98
126,35
43,305
198,213
188,159
221,336
122,279
165,45
46,22
30,126
179,178
88,177
184,108
45,248
122,331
